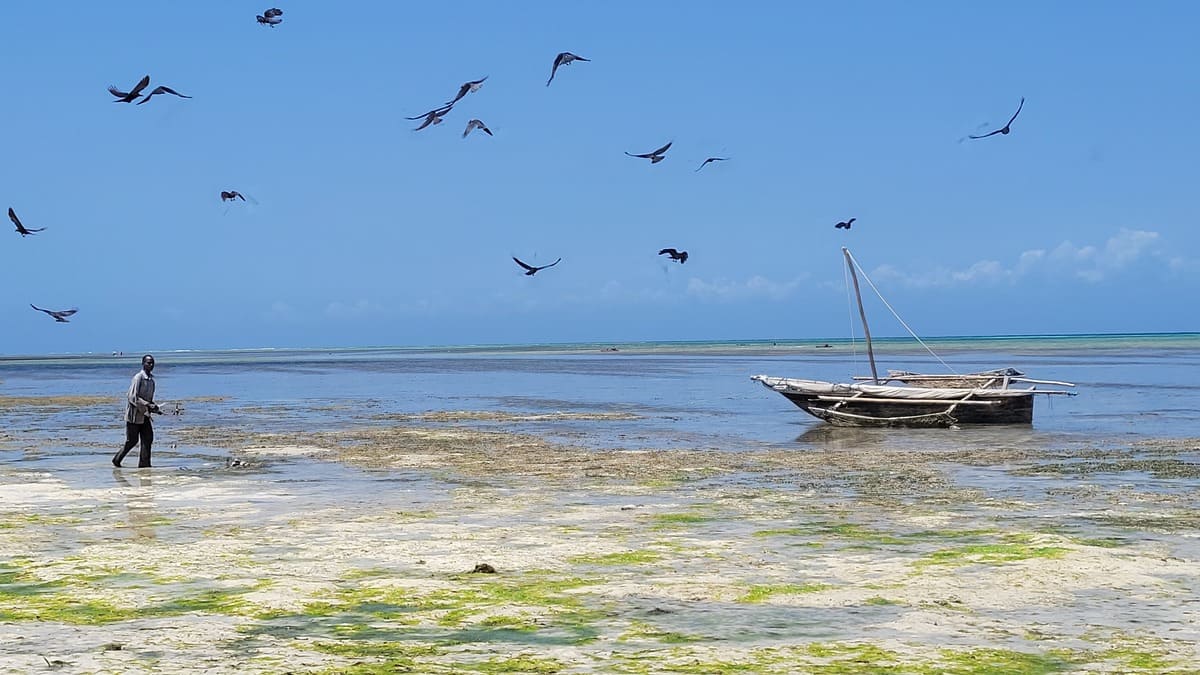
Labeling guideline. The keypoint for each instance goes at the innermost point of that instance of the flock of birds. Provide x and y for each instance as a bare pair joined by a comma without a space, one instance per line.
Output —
273,16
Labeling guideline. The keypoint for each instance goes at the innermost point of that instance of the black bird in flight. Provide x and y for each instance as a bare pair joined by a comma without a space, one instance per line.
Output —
161,90
467,88
432,117
654,157
476,124
677,256
1004,129
530,270
563,59
59,316
272,17
845,224
711,159
12,215
230,195
129,96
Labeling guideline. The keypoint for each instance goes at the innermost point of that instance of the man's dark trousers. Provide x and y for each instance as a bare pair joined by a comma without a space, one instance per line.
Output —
135,433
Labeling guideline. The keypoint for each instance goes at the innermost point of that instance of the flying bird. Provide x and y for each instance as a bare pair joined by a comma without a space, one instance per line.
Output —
711,159
230,195
530,270
563,59
1004,129
59,316
467,88
654,157
272,17
677,256
845,224
12,215
161,90
432,117
129,96
476,124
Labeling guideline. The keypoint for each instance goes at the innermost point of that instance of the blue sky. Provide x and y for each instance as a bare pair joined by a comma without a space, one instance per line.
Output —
1084,219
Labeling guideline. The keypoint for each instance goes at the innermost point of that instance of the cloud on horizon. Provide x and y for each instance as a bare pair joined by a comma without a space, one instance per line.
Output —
756,286
1089,263
352,310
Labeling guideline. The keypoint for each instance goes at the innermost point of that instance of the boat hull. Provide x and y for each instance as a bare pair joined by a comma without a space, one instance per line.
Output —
873,405
1006,410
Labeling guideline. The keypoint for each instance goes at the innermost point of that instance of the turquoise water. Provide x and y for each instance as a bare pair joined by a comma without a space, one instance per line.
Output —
682,394
882,345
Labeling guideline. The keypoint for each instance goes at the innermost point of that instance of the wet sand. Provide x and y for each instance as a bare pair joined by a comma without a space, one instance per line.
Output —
351,550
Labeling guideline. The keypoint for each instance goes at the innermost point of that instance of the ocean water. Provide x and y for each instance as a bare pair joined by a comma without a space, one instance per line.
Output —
694,395
282,520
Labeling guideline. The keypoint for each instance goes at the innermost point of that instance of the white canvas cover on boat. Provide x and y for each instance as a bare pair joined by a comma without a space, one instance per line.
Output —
880,391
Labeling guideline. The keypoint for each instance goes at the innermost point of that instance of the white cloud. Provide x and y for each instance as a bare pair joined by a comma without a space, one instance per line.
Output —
280,311
352,310
756,286
1090,263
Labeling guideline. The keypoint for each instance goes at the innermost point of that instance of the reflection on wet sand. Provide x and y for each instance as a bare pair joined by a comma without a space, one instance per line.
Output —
139,502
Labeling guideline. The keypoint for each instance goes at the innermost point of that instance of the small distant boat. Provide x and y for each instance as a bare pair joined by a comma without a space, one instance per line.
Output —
908,399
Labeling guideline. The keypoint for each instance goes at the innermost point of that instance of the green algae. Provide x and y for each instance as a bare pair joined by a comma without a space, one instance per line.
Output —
670,520
851,658
1132,658
367,573
763,593
881,601
229,601
1012,548
986,661
619,558
1142,652
838,658
468,606
1101,542
513,664
12,521
64,609
59,600
642,630
502,621
866,535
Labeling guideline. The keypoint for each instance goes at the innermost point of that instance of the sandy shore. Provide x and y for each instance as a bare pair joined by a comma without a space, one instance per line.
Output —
352,551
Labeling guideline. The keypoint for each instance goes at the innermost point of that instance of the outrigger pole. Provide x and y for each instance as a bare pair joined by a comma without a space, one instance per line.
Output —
862,313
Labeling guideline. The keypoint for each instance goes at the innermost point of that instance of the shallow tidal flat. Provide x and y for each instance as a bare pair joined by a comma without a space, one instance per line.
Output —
352,550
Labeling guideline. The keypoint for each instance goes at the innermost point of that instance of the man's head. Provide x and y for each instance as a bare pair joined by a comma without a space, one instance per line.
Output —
147,363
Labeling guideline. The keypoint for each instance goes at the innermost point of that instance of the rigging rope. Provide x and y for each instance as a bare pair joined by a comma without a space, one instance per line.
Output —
885,304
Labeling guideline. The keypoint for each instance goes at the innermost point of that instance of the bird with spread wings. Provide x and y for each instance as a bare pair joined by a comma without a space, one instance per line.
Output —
59,315
21,229
1004,130
654,157
129,96
563,59
531,270
161,90
467,88
676,255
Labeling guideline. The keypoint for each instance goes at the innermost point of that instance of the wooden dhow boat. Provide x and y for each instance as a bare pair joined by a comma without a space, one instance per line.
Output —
908,399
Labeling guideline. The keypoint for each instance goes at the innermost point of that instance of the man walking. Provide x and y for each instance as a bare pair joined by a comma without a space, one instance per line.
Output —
137,414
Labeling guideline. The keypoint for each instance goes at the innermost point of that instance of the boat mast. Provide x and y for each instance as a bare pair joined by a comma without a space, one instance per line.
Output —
861,313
